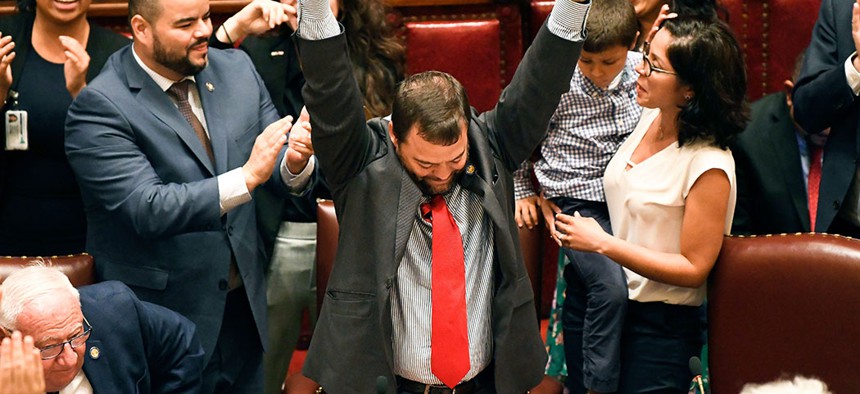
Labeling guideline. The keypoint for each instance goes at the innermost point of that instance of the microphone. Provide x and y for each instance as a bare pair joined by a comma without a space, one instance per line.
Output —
381,385
695,365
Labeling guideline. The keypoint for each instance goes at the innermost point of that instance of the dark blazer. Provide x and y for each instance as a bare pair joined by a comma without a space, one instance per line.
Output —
151,193
138,347
376,202
823,99
772,196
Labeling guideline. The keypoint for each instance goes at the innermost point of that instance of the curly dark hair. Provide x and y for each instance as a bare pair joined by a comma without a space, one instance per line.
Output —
377,56
706,56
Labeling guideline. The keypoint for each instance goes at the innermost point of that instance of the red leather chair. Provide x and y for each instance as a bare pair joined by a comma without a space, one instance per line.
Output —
772,33
785,305
480,45
78,267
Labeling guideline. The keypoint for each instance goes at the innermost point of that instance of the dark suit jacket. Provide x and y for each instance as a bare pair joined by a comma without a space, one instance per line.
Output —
772,198
151,194
377,201
823,99
138,347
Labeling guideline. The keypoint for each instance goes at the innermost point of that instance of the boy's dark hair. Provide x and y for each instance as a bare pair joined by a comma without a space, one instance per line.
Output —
706,56
433,101
610,23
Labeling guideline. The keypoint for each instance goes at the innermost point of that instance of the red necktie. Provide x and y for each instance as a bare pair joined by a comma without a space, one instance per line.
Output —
449,338
813,182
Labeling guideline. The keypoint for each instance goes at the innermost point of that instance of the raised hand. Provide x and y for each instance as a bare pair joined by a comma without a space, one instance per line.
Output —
7,47
664,14
264,154
300,148
855,31
20,366
76,65
258,17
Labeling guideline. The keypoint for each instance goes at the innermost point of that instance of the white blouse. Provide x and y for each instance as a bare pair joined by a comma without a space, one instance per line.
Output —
646,204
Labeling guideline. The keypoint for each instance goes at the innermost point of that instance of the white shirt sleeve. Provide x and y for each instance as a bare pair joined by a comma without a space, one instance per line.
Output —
297,182
232,190
852,75
567,19
316,22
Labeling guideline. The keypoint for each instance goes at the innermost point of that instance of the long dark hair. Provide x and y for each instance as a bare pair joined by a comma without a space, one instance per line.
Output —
707,57
26,6
377,56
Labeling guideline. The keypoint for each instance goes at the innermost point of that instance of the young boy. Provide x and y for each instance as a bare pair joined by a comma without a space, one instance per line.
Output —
591,121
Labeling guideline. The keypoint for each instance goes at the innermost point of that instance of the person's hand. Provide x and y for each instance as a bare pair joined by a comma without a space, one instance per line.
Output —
20,366
300,148
855,32
580,233
664,14
7,54
256,18
76,65
548,210
526,211
264,154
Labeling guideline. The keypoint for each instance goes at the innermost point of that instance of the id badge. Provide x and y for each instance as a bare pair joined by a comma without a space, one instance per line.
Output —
16,130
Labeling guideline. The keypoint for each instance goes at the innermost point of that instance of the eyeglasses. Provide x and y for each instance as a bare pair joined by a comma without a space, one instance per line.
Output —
53,351
648,67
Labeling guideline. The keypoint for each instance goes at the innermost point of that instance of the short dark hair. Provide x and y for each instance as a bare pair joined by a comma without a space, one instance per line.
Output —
610,23
706,56
148,9
435,102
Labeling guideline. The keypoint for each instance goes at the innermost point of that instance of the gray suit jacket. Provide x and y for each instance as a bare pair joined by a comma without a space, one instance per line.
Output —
151,194
376,202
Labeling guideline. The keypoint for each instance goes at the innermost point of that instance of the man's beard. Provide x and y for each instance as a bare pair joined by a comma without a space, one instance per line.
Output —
180,64
429,190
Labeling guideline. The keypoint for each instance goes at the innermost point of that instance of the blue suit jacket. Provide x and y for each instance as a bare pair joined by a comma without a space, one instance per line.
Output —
138,347
151,194
823,99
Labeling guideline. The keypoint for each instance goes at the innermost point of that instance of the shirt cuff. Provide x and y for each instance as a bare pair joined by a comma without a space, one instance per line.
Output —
296,183
232,190
852,75
567,19
316,22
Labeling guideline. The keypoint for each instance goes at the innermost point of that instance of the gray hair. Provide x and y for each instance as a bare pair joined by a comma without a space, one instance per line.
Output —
33,286
798,385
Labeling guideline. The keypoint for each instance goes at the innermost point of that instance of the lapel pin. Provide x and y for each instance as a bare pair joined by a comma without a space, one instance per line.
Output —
277,53
210,87
470,169
95,353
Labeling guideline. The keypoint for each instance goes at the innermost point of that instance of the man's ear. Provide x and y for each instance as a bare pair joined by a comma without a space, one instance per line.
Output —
391,134
788,87
141,30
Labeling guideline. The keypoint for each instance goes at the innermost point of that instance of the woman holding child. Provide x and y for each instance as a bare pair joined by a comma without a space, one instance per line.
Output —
670,190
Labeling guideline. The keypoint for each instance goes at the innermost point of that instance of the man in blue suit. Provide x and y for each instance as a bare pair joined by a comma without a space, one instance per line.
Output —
101,337
826,96
167,168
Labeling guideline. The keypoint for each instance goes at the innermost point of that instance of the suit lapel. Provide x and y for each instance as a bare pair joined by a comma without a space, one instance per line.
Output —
159,104
214,102
97,368
410,196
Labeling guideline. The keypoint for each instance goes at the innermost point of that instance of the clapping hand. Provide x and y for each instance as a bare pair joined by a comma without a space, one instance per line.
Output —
7,47
300,148
256,18
75,66
20,366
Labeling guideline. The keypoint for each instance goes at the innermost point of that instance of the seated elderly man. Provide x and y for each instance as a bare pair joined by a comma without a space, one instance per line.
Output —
100,338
